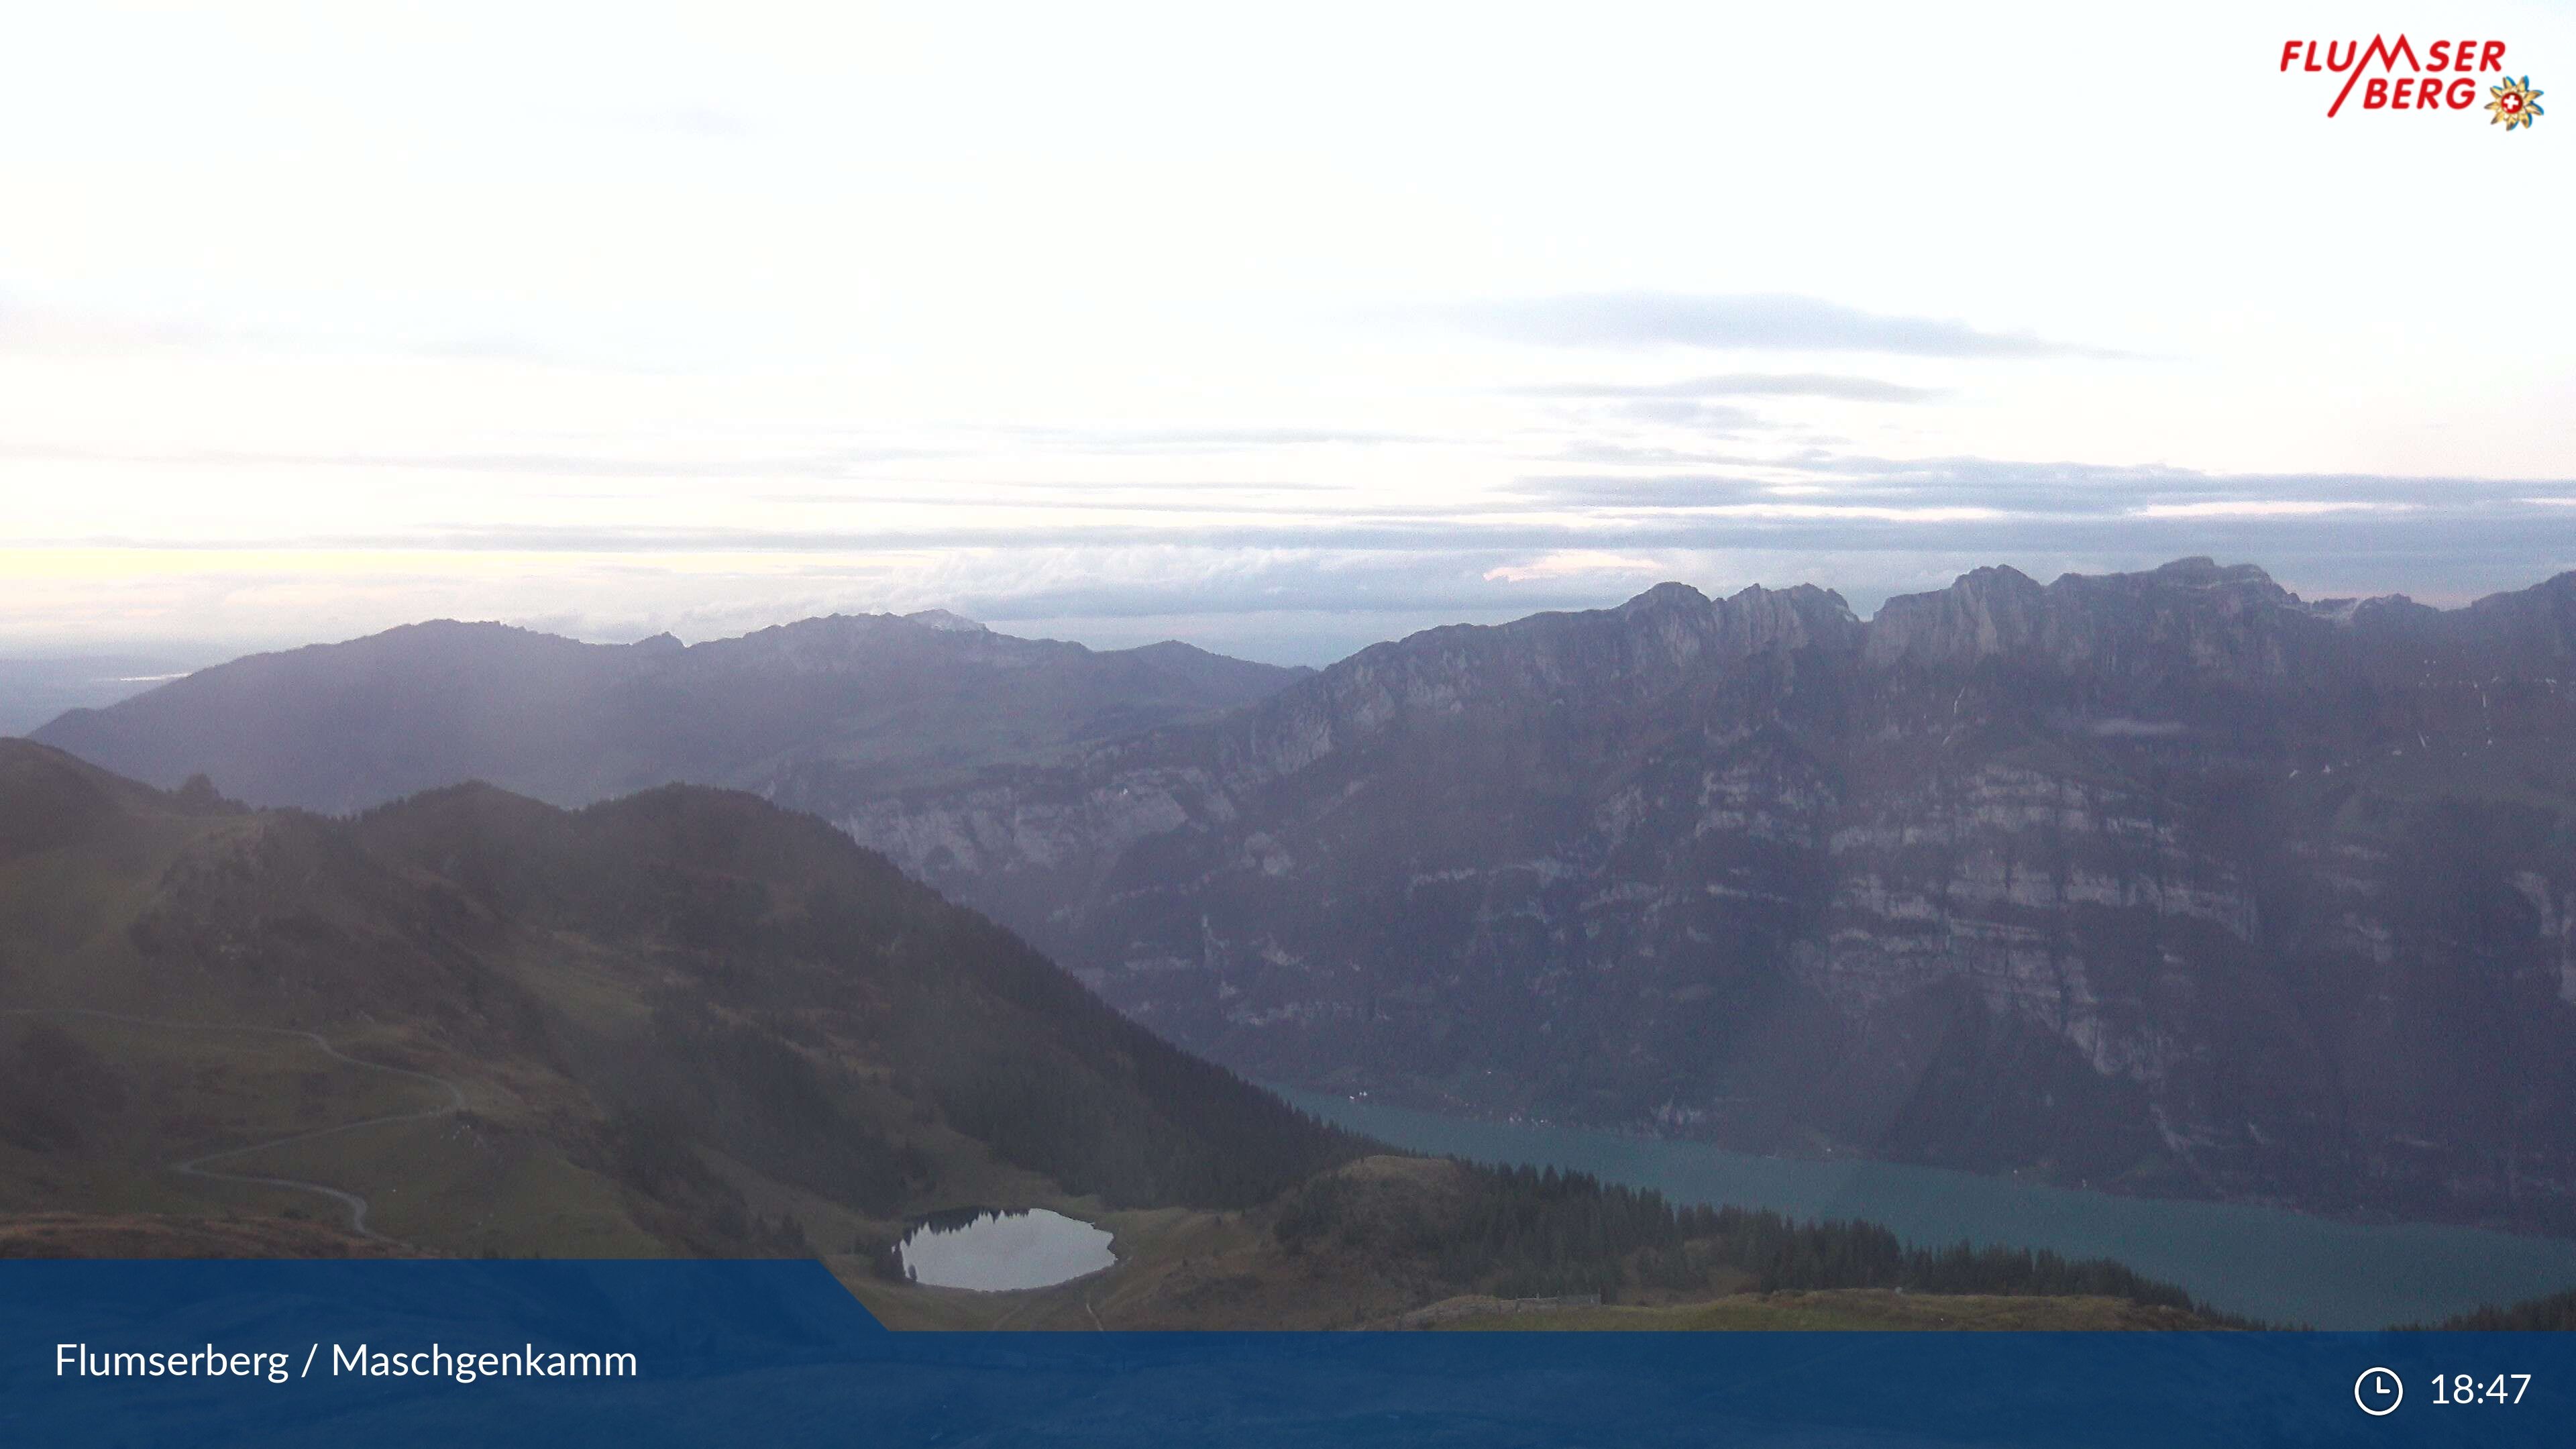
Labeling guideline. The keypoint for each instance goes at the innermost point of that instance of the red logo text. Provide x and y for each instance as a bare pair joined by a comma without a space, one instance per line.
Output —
2438,80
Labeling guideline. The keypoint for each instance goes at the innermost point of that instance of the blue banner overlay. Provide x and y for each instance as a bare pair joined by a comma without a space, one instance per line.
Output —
385,1354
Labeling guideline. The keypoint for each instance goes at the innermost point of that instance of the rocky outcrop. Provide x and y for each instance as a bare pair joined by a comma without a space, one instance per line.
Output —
2167,880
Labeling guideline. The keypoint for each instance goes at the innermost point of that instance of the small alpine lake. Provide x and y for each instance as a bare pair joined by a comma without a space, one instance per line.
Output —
997,1250
2269,1263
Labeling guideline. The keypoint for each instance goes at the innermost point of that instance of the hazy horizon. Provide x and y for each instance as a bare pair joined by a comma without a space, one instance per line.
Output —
38,684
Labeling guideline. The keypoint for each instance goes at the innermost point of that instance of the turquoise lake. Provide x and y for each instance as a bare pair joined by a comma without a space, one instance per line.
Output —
2277,1265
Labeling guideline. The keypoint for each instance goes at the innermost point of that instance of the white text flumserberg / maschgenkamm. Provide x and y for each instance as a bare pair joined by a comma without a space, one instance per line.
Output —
79,1360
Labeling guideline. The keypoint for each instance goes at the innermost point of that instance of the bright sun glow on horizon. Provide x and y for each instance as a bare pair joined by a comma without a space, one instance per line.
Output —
1280,330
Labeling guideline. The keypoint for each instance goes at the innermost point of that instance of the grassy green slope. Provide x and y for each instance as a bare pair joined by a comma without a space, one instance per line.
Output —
687,1022
681,1022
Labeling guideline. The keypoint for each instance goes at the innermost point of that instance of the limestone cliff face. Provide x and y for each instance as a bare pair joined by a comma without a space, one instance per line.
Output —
2190,618
2170,880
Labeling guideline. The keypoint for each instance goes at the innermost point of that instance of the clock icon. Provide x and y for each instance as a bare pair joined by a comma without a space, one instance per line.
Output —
2378,1392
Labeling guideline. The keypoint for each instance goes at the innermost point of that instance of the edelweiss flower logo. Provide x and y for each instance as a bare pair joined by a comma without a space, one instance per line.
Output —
2515,103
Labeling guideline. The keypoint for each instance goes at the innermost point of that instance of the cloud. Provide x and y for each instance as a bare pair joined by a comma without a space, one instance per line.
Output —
1568,563
835,502
1688,413
1662,490
1312,568
2036,490
1641,492
1743,384
1294,590
1765,321
2267,508
2133,489
1175,582
1700,513
1201,440
1595,450
1695,404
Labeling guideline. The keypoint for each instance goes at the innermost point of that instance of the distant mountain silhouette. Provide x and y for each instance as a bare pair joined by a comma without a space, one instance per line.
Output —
2169,881
847,703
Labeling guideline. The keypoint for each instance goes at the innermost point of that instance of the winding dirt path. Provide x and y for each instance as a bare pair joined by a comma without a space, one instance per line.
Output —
196,1166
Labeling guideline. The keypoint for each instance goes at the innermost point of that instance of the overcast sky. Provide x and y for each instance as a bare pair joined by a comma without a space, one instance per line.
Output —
1277,328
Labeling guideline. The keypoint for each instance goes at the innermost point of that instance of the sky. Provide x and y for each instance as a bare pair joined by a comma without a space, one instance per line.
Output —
1279,329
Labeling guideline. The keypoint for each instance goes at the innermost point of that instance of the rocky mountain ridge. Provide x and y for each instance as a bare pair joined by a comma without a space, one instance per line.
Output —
2171,880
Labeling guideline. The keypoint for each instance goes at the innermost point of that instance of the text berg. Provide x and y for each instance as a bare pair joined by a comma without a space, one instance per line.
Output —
2408,93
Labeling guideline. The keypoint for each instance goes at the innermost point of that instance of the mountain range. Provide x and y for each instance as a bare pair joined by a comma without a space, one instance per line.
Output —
850,705
2171,882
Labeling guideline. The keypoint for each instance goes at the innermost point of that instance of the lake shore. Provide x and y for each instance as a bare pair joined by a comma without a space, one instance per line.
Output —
2268,1263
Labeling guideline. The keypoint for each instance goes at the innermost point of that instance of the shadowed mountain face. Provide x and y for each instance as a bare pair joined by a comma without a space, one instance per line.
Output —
832,709
682,1021
2171,881
689,1022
